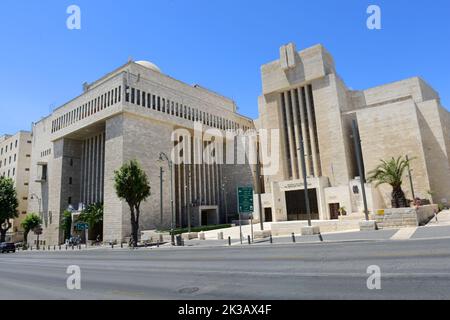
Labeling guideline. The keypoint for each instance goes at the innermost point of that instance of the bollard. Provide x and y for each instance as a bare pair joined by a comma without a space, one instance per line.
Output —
157,244
320,237
121,245
54,248
79,247
66,247
229,241
31,248
73,247
271,239
112,245
146,244
249,240
59,247
48,248
293,237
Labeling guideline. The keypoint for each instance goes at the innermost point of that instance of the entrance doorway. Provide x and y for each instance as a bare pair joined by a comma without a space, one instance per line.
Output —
208,217
268,215
296,207
334,211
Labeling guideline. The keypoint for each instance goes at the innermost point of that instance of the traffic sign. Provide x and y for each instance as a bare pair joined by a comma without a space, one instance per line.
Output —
245,200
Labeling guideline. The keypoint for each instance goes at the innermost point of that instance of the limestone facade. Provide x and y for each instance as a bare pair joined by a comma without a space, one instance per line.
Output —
304,97
15,157
132,113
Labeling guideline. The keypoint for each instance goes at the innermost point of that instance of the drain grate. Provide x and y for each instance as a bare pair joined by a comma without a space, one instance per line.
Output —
188,290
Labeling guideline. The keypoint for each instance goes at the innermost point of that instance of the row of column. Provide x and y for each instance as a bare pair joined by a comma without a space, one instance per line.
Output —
201,184
297,108
93,169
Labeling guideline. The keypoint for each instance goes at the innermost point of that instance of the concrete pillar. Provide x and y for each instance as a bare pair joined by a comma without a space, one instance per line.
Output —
291,138
312,132
297,128
305,130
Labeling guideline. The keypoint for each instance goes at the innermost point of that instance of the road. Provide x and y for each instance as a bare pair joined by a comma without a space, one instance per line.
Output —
412,269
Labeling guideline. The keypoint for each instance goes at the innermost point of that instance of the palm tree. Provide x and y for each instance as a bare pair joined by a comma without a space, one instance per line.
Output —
131,184
93,216
31,222
391,172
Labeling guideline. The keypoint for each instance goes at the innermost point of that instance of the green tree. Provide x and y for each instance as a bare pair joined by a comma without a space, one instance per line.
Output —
8,206
132,185
93,216
391,172
31,222
66,224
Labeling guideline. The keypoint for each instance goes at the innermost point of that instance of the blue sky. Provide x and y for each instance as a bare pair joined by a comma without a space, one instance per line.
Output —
218,44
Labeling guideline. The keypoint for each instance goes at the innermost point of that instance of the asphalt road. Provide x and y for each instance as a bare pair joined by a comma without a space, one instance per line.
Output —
413,269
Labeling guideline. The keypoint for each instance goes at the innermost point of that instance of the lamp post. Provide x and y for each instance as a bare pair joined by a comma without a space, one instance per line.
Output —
258,183
305,180
33,195
164,157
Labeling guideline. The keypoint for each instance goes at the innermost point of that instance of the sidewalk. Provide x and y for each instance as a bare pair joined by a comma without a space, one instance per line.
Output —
443,219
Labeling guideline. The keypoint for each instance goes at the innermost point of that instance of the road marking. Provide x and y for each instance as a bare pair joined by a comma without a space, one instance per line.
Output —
404,234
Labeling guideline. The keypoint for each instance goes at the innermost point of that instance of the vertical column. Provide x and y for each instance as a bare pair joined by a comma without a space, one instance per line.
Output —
295,112
88,172
102,164
82,172
305,129
291,138
282,111
311,131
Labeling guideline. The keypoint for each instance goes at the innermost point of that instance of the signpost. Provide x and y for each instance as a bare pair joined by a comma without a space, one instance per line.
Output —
81,226
245,204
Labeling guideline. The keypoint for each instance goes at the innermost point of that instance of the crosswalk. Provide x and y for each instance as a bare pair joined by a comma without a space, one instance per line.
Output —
404,234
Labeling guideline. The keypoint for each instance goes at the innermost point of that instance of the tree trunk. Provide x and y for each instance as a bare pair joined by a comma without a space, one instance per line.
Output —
4,231
133,226
136,227
398,198
25,237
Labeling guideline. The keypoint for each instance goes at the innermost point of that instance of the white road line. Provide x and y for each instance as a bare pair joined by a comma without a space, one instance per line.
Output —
404,234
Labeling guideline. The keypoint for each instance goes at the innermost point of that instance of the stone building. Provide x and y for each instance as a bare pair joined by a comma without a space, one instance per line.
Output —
304,97
15,157
131,113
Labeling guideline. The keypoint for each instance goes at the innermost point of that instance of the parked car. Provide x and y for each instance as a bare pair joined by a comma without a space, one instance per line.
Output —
7,247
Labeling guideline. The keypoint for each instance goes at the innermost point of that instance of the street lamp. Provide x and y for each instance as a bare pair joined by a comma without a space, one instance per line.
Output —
305,180
258,183
33,195
164,157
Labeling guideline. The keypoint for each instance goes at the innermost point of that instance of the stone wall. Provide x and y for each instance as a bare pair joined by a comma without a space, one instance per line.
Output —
408,217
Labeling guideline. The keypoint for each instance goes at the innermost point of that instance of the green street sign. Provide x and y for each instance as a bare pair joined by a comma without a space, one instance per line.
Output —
81,226
245,200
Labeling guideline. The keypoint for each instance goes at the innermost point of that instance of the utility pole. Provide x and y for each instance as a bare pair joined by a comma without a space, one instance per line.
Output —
258,184
305,180
410,179
161,178
164,157
188,203
362,176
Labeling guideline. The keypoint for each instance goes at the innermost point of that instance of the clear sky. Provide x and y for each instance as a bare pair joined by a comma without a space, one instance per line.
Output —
218,44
